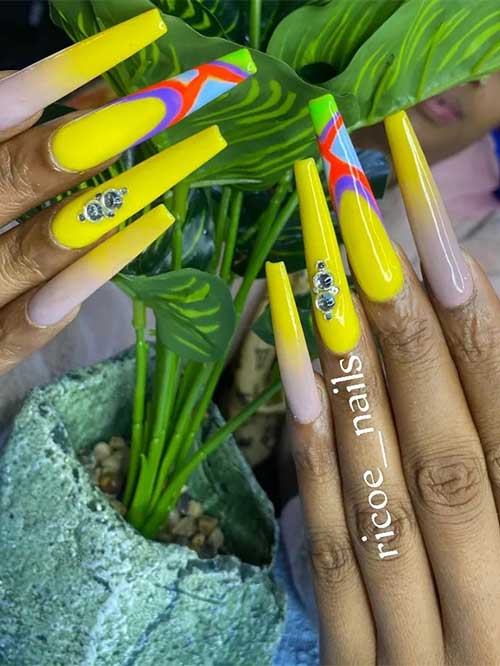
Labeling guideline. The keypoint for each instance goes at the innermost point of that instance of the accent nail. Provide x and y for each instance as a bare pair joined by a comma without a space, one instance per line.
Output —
375,263
442,260
24,93
334,311
75,284
96,211
96,137
293,356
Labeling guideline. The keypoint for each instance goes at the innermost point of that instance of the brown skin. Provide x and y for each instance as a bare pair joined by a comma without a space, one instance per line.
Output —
476,106
437,601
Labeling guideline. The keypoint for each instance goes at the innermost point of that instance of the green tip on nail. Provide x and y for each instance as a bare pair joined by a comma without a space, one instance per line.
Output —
242,59
321,110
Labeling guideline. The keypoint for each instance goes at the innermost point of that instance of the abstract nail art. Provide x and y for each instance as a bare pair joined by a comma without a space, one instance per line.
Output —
96,137
28,91
334,312
293,356
63,293
444,266
375,263
87,217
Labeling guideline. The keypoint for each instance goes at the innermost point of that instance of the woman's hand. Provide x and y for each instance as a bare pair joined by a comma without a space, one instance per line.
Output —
396,446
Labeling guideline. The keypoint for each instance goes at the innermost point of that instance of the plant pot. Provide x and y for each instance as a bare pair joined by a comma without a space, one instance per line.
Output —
80,586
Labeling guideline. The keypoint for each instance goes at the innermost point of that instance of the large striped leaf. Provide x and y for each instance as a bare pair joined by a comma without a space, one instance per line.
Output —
194,311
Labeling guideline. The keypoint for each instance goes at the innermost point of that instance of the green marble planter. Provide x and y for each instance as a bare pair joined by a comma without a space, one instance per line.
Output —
80,587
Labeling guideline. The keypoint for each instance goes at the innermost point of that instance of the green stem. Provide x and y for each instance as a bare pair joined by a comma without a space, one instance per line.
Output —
181,192
231,235
255,20
171,494
141,373
220,227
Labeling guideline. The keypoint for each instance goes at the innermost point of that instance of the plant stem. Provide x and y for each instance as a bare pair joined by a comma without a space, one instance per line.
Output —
231,235
220,227
171,494
181,192
141,372
255,20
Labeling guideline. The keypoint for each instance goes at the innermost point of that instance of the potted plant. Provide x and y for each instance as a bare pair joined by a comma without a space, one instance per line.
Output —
79,583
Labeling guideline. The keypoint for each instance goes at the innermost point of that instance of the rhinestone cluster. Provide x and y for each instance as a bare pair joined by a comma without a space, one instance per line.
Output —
325,290
103,205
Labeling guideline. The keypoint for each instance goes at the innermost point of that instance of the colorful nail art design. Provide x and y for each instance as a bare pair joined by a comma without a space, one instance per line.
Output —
28,91
442,260
293,356
333,308
61,295
84,219
102,134
375,263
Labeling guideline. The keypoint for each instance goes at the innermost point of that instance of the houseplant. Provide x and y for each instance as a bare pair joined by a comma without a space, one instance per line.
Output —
375,56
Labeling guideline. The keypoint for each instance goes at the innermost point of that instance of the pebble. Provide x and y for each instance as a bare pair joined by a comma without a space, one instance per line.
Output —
121,508
101,451
198,540
173,518
185,527
113,464
111,485
195,509
117,443
206,524
216,538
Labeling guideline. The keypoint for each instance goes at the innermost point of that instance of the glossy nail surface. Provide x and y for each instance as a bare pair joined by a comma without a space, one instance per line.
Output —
30,90
98,136
442,260
73,285
336,318
375,263
86,218
293,356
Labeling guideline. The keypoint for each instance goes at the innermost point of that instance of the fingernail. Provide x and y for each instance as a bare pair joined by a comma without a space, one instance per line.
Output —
293,356
86,218
32,89
96,137
55,300
372,258
334,311
442,260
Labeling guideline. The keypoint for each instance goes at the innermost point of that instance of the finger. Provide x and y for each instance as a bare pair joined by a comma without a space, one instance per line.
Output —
378,507
33,319
34,251
29,91
22,126
340,594
442,458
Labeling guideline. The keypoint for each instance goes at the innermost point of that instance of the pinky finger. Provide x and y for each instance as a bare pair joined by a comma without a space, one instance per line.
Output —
339,589
32,320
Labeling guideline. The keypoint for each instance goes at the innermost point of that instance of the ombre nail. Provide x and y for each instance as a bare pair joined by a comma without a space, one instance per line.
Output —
291,348
30,90
442,260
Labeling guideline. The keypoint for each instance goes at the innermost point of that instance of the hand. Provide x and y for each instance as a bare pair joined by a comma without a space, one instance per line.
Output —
396,447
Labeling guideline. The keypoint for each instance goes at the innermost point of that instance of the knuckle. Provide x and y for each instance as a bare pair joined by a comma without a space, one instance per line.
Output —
315,459
493,462
15,180
451,485
332,559
475,340
410,341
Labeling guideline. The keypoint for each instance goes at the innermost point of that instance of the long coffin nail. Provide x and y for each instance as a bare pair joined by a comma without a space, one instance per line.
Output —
28,91
73,285
96,137
293,356
375,263
86,218
442,260
333,308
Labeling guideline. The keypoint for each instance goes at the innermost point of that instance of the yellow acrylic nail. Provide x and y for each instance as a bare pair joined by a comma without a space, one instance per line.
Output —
291,348
334,310
372,257
24,93
96,211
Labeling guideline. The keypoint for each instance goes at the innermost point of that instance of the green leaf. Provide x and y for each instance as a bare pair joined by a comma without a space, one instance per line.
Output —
264,329
197,240
194,311
194,13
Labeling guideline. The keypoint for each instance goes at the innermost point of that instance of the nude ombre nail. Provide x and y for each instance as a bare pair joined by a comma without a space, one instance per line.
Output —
86,218
334,311
442,260
67,290
96,137
291,348
372,258
30,90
